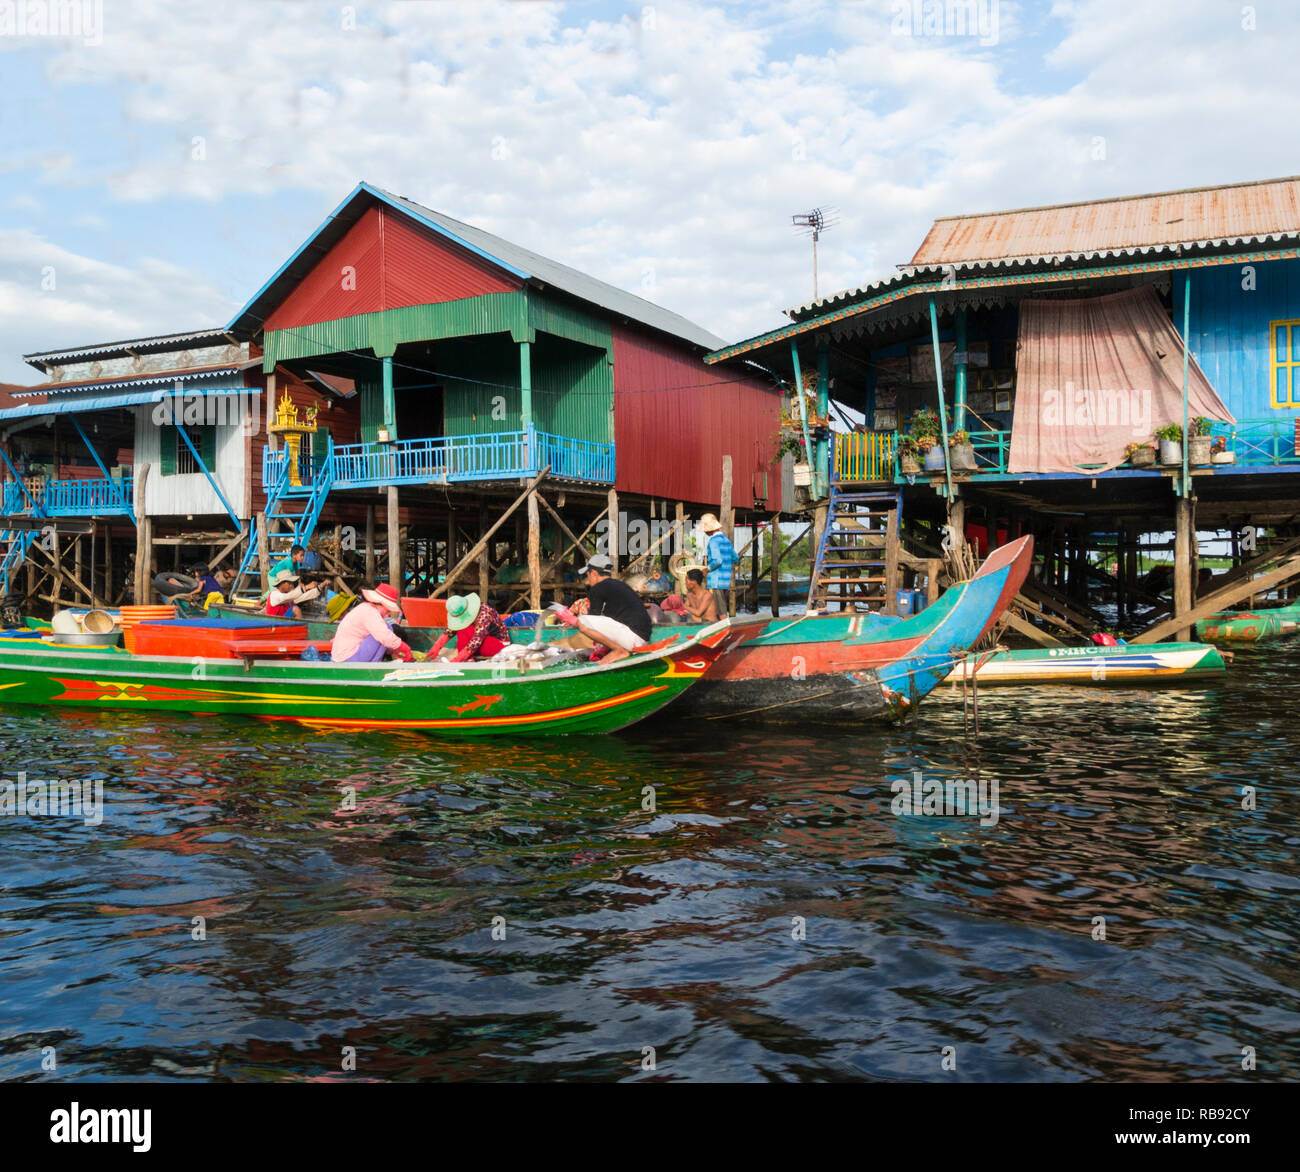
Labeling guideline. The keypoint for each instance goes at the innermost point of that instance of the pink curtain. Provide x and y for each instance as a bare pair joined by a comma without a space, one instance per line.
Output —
1096,374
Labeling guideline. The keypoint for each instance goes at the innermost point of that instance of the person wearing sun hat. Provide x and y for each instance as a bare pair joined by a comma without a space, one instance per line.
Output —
721,556
285,595
479,631
364,634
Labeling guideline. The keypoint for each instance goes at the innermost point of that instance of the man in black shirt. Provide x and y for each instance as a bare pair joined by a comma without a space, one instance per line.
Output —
615,614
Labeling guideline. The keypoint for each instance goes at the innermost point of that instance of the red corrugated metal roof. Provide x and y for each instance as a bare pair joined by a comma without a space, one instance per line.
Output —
1137,221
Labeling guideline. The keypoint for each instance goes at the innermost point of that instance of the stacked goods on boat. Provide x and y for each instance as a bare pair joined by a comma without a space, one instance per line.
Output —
224,638
133,616
1250,626
1124,664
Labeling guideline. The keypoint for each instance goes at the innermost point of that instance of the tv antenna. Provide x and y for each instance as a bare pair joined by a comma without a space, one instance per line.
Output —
813,224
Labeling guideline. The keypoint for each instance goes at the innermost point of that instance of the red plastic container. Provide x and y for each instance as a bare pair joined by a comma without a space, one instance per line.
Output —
425,612
209,642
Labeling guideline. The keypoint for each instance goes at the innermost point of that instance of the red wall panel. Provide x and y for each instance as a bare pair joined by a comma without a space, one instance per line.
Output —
675,418
396,263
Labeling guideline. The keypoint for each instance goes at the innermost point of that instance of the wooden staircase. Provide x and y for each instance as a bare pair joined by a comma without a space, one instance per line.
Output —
857,557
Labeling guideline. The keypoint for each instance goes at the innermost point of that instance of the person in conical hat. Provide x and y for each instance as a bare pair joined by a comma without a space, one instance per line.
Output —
478,630
364,634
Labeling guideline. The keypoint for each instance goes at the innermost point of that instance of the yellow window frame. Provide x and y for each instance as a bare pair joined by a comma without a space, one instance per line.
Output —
1290,363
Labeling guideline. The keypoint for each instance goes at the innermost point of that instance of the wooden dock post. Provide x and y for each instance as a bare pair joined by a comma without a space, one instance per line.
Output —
263,552
1184,512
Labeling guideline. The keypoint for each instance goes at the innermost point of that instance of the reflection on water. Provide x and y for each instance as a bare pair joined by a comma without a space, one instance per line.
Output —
349,885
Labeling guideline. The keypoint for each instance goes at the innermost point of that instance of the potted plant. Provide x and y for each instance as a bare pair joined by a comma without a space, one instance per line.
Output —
1219,453
925,429
961,452
908,452
1171,443
1199,442
1140,455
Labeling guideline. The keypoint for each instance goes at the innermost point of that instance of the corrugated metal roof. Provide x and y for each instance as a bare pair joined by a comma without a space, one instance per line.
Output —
1231,212
957,281
170,376
108,402
571,281
522,262
123,349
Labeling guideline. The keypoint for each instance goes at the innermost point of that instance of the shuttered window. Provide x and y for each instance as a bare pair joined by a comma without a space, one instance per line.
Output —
175,457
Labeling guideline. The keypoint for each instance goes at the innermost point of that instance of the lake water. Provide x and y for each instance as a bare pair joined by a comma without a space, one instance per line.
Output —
627,930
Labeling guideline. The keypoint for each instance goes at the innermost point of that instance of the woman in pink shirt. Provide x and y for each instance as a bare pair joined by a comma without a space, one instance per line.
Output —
364,635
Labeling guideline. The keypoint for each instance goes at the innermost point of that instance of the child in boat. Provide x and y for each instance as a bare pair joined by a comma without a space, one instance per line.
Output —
364,634
479,630
285,593
701,603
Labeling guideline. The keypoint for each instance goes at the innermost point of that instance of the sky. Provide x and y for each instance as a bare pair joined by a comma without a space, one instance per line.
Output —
162,160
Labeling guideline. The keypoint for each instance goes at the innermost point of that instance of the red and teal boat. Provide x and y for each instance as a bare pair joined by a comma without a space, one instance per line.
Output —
847,667
1250,626
453,700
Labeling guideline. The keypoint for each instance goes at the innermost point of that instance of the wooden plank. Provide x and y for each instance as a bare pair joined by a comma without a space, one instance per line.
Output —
1026,628
1221,599
394,540
482,543
892,578
613,530
1183,562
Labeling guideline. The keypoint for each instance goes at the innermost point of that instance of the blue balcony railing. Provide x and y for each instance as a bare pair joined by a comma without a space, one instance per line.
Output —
1260,442
72,498
453,459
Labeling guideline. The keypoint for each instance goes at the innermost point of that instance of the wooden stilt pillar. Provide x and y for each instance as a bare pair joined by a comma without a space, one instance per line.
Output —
1184,512
451,541
143,561
108,564
774,555
484,562
263,552
370,544
394,540
77,566
534,554
892,583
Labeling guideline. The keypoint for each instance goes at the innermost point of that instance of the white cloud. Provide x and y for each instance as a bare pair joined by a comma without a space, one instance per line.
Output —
680,138
51,297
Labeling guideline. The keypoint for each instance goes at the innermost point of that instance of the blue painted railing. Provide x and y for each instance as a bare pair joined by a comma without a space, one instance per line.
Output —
74,498
452,459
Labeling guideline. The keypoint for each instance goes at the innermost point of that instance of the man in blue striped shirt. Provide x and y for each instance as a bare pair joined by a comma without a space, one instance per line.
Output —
721,557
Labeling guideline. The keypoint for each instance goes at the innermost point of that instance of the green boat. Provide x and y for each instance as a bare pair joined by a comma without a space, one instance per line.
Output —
528,698
1250,626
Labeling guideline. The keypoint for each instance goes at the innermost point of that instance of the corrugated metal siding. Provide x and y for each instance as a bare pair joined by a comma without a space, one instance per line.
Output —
396,264
468,407
385,331
573,390
1229,332
567,321
190,494
1210,213
675,418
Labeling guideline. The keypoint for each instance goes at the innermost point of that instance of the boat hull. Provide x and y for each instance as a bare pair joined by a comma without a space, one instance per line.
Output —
452,700
845,667
1099,666
1250,626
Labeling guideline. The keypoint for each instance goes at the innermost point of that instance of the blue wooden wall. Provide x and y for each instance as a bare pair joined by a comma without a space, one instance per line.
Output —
1229,334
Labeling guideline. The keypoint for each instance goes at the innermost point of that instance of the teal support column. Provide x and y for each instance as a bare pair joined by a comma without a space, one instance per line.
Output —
803,411
525,386
959,389
1186,488
390,399
822,463
943,407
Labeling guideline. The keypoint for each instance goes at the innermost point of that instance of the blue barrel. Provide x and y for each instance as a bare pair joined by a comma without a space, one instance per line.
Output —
918,601
905,598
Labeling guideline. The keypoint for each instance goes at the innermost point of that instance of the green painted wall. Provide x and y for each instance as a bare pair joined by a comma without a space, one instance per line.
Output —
471,407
